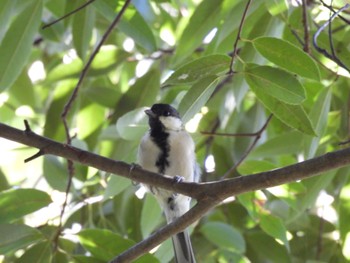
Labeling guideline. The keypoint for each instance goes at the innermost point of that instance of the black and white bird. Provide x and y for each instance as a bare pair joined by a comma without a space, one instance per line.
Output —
168,149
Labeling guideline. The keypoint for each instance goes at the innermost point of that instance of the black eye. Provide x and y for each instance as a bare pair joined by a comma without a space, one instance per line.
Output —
167,113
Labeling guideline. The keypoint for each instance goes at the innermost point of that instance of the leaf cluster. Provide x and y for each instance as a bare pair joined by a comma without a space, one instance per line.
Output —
176,52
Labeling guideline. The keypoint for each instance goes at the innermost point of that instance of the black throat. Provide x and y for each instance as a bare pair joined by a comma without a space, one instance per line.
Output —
160,138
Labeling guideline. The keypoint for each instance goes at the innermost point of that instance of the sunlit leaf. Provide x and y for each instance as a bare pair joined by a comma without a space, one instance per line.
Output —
115,186
106,59
16,46
276,7
41,252
6,9
14,237
133,124
274,226
288,56
142,93
292,115
16,203
83,22
131,24
89,119
107,97
319,118
203,20
197,97
105,245
276,83
286,143
224,236
198,69
266,248
151,215
55,173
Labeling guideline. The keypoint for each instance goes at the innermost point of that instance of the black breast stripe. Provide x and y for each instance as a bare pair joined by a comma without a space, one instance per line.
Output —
160,138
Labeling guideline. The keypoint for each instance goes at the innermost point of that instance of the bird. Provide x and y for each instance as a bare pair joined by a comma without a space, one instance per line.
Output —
168,149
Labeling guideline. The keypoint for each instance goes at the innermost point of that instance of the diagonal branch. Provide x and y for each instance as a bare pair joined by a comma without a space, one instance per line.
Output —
207,194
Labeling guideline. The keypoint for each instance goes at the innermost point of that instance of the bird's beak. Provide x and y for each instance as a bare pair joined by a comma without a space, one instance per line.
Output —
150,113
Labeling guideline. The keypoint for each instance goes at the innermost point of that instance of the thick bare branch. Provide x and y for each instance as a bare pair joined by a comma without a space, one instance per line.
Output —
207,194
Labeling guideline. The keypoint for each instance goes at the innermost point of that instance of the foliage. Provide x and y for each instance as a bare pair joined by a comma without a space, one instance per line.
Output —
175,52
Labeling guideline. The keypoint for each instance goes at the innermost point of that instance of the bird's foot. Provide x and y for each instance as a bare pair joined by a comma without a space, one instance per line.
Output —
178,179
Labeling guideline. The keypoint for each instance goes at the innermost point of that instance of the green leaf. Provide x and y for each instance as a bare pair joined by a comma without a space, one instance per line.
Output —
55,173
41,252
286,143
116,185
106,59
255,166
132,125
14,204
132,23
276,7
83,23
105,245
107,97
319,118
204,19
265,249
224,236
6,11
102,243
15,237
314,186
143,93
287,56
197,97
198,69
276,83
151,215
54,129
292,115
17,44
274,226
89,119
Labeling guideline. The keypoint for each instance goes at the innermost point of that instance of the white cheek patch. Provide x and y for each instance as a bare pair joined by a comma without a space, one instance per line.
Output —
171,123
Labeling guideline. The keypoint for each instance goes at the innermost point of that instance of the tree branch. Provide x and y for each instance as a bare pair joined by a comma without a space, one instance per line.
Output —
235,49
208,194
324,51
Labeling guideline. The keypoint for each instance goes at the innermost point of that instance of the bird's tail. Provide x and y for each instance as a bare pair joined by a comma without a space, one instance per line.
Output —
183,248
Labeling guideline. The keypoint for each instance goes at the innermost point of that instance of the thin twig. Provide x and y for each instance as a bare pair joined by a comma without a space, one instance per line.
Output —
250,148
323,51
64,206
38,154
27,126
330,33
330,7
306,28
235,49
67,15
68,106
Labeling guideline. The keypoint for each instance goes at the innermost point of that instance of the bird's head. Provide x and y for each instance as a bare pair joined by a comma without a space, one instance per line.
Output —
164,115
